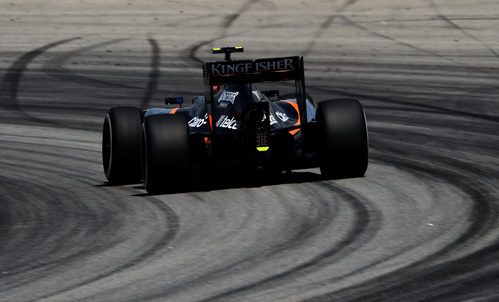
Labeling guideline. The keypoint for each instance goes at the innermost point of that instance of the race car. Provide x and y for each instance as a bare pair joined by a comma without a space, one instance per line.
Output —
236,125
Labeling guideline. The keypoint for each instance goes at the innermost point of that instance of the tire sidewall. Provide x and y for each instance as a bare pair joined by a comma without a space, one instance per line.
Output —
344,145
166,154
122,131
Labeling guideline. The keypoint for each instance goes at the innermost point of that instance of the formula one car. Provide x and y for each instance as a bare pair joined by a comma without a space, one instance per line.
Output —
238,126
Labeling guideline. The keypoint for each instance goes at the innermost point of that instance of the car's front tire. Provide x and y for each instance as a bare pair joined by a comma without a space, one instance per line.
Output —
344,139
121,139
166,162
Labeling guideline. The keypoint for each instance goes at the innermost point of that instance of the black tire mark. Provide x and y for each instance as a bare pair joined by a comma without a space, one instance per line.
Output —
454,25
328,213
325,25
419,49
10,82
461,30
475,18
428,19
367,222
54,68
403,284
329,296
13,76
173,225
230,19
379,113
38,236
192,58
393,101
154,73
478,289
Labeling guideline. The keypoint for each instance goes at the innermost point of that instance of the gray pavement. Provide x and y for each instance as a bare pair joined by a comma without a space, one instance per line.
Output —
421,225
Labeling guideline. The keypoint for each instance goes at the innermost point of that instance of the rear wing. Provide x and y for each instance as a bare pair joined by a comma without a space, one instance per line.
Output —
247,71
261,70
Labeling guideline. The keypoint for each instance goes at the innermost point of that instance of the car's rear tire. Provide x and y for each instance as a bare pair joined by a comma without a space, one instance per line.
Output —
121,139
166,162
344,139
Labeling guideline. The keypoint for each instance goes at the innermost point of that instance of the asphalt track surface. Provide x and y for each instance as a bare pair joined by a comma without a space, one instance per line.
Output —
422,225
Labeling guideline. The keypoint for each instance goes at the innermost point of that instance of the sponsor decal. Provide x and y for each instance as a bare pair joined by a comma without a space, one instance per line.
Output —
227,122
224,68
248,67
220,120
282,64
228,96
272,120
282,116
197,122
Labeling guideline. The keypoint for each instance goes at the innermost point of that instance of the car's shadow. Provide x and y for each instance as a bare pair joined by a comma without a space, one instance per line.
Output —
224,182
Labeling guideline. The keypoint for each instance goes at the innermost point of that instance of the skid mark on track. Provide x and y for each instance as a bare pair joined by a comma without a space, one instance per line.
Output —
192,57
54,68
466,33
230,19
38,225
154,72
325,25
328,212
430,274
462,30
393,101
419,49
329,20
13,76
173,225
10,83
365,226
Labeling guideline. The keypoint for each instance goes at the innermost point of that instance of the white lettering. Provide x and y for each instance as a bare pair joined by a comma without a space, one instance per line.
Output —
282,116
197,122
248,67
228,96
215,69
272,120
220,120
228,123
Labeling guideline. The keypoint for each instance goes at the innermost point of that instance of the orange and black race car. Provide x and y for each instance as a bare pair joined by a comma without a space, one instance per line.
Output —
244,122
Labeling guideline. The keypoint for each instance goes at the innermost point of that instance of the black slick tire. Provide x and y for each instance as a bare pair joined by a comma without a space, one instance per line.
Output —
344,138
166,161
121,145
